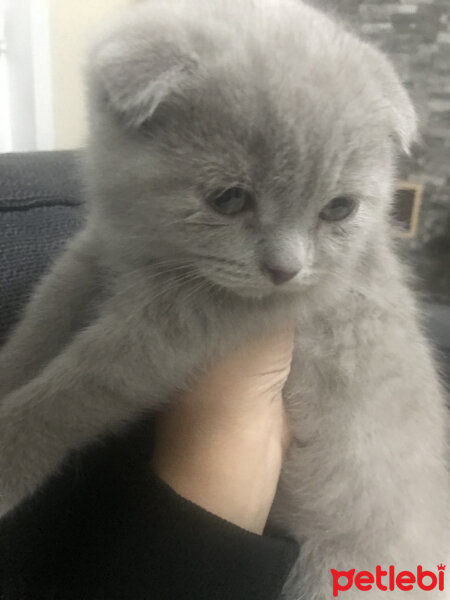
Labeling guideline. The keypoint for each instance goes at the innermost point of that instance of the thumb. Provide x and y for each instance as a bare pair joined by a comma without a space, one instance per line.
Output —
265,363
250,376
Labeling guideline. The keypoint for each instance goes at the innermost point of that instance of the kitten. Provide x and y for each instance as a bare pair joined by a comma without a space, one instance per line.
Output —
240,172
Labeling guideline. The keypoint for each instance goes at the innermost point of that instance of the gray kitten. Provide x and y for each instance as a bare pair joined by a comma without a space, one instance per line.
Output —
240,172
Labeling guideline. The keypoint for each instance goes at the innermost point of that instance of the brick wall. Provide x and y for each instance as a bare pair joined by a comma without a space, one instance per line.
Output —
416,35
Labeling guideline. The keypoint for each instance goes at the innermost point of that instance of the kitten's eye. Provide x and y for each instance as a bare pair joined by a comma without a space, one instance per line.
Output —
231,201
338,209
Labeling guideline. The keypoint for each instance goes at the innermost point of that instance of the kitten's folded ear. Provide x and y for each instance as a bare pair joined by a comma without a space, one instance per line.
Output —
134,75
397,105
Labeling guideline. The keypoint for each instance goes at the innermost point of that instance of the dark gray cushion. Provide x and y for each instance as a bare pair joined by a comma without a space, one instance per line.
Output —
41,207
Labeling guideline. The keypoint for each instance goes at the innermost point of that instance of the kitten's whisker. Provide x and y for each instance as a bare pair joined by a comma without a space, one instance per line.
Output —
182,280
161,273
173,283
169,262
206,224
194,291
221,260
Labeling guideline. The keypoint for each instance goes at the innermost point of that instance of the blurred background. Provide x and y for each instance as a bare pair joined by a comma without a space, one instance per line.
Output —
42,48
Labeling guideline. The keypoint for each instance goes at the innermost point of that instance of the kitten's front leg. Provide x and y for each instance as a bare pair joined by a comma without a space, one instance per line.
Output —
57,309
109,373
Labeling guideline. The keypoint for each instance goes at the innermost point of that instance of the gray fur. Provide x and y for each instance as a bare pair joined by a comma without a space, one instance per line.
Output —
187,97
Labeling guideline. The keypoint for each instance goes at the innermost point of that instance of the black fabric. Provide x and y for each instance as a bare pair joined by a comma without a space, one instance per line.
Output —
108,529
40,208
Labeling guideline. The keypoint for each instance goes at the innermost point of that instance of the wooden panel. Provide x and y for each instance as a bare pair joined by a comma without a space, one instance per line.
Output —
406,209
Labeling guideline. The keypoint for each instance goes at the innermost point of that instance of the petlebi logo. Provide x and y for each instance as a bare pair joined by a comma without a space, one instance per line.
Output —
388,580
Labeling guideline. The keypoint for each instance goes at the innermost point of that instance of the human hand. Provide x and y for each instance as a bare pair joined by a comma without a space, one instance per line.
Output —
221,444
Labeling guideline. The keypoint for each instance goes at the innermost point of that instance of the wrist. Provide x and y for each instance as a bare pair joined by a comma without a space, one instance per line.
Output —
229,468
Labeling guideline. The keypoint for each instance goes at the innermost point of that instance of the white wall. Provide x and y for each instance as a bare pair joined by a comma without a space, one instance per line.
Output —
43,47
18,77
70,24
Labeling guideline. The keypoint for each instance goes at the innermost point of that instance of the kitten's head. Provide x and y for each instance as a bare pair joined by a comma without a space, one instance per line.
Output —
252,142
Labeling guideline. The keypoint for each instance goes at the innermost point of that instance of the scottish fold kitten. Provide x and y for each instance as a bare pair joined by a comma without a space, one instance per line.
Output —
240,172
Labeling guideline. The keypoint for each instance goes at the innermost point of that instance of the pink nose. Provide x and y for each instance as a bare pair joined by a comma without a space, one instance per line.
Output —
279,276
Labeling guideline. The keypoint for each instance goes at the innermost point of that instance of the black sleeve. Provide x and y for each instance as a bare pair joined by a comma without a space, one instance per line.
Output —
109,529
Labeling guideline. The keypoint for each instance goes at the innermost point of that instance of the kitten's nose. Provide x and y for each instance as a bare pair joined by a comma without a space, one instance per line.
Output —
279,275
